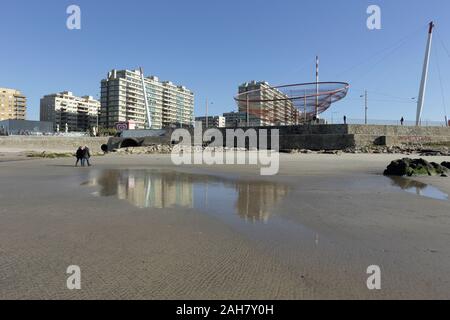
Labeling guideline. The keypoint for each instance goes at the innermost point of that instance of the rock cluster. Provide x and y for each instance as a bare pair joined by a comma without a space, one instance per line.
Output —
407,150
306,151
50,155
382,149
415,167
166,149
434,152
154,149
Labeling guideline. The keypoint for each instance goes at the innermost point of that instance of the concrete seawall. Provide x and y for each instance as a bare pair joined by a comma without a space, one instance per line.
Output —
48,143
313,137
324,137
339,137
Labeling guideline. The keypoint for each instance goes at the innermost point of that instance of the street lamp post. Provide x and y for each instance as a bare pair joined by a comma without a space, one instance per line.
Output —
248,111
206,119
207,111
366,106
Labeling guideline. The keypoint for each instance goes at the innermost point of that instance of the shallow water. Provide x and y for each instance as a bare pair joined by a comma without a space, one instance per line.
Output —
250,200
274,214
418,188
251,207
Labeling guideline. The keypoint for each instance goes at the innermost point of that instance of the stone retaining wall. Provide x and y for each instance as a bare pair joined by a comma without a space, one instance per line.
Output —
398,130
47,143
328,137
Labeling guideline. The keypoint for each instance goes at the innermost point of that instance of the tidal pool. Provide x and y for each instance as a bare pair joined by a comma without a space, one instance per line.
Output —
276,213
251,200
418,188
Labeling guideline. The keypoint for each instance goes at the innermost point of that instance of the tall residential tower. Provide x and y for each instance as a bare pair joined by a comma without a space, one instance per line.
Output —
122,99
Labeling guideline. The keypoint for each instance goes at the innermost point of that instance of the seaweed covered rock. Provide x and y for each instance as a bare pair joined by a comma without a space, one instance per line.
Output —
414,167
446,164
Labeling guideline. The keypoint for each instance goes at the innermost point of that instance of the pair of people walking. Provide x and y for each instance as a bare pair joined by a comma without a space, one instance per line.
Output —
83,155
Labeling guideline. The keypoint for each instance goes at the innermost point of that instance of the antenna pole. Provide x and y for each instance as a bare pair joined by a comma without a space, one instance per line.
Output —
423,84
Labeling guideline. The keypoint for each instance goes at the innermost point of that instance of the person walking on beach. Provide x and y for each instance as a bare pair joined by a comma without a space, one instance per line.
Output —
80,157
402,121
345,119
86,155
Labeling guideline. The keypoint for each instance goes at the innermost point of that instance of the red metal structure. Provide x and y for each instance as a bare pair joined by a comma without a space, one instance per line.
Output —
309,99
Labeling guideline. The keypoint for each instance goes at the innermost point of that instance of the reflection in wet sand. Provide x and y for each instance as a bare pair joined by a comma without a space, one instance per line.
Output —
144,190
251,200
418,188
255,200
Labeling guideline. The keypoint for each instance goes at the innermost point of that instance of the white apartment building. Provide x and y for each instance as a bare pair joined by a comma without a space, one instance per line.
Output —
78,114
122,99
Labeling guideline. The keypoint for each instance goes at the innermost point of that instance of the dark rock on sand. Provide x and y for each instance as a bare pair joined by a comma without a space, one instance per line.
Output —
414,167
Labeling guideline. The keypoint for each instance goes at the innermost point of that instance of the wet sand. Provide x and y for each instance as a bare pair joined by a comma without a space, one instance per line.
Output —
140,228
13,156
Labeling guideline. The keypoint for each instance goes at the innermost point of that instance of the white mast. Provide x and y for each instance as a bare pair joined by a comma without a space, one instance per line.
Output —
317,87
423,84
147,108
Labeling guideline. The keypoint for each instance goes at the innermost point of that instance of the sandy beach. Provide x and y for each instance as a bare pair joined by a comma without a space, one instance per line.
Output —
142,228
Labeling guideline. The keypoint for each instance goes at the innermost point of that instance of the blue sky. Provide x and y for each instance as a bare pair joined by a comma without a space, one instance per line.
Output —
213,46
